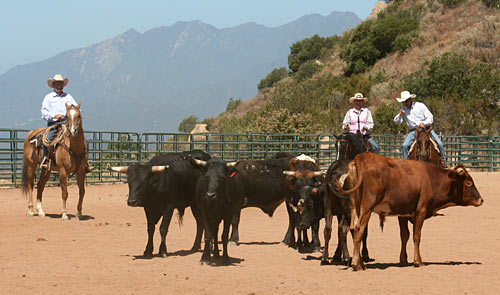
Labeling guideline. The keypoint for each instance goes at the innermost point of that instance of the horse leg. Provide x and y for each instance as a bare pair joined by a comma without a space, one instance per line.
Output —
44,177
30,176
64,190
80,179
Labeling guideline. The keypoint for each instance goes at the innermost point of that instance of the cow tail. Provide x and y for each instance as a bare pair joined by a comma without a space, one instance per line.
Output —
382,220
24,178
341,191
180,216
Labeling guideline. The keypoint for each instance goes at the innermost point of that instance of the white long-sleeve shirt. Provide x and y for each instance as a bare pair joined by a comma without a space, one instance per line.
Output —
418,113
54,104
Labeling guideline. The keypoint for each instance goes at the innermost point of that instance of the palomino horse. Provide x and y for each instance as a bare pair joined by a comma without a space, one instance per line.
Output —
423,148
70,157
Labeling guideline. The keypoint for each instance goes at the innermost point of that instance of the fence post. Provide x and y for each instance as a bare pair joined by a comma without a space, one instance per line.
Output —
13,156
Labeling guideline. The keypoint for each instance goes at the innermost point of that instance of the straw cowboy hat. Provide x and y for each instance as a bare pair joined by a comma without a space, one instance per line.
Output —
358,96
57,77
405,95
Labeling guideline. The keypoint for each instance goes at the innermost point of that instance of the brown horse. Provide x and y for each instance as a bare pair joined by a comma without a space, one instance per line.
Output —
70,157
424,149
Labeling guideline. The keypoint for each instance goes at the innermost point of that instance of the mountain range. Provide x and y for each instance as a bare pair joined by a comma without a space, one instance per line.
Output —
151,81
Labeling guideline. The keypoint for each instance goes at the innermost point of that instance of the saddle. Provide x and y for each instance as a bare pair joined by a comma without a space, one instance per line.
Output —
37,140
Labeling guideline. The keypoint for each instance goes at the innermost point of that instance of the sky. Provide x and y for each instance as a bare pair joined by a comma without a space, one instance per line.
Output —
34,30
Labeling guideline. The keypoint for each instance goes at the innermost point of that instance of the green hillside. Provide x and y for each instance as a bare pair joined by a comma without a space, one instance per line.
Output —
445,51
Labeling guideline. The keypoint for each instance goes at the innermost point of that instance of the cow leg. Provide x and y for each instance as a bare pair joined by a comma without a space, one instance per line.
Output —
417,232
225,235
405,235
199,227
152,218
364,252
235,237
44,177
342,253
315,236
359,231
165,222
290,233
327,232
205,257
216,239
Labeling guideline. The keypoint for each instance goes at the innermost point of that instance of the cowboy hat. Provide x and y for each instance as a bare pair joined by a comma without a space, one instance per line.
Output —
405,95
57,77
358,96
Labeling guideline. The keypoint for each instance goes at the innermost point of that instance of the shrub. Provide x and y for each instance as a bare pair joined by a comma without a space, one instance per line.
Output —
273,77
308,49
233,104
307,70
451,3
188,124
492,3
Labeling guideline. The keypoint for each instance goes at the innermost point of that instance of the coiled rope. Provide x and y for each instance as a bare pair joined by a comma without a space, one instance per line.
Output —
59,137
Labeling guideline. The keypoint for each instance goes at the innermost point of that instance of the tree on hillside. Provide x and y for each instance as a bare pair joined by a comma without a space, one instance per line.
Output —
308,49
188,124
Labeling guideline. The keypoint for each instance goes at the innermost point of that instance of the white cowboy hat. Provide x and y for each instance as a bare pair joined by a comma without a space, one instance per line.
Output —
405,95
57,77
358,96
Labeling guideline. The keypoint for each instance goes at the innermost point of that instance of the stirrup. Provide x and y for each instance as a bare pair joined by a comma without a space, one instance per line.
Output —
45,163
88,169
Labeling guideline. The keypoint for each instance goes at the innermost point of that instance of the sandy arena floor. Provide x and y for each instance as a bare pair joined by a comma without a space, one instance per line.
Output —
101,255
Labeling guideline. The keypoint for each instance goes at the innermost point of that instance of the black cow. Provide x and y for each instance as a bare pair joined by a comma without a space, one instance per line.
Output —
215,205
161,193
307,181
262,184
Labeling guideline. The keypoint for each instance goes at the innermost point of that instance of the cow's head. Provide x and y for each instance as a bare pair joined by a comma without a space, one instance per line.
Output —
306,181
216,171
463,190
140,181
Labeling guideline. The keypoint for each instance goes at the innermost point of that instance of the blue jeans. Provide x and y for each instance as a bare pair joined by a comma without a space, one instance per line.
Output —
374,144
410,138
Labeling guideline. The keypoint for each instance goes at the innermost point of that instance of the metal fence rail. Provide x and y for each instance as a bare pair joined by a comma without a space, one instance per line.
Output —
112,148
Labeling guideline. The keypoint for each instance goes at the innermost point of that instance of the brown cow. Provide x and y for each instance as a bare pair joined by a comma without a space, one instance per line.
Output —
411,190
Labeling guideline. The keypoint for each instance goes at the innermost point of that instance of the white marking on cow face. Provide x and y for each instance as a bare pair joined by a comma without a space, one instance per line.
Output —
305,158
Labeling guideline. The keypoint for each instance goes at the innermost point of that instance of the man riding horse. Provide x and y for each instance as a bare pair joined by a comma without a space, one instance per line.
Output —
54,111
416,115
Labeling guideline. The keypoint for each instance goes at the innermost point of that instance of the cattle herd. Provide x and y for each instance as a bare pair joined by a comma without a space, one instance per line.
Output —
356,185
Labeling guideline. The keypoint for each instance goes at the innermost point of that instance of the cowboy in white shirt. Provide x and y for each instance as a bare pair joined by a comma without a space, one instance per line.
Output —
415,114
360,119
54,109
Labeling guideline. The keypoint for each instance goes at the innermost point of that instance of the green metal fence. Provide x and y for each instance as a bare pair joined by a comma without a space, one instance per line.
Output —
111,148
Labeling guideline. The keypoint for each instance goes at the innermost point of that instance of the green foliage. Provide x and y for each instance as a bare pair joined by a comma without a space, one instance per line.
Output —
492,3
451,3
233,104
384,119
307,70
374,39
273,77
308,49
379,77
188,124
464,97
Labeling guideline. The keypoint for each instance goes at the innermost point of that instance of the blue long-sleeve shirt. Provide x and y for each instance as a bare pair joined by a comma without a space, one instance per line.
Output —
54,104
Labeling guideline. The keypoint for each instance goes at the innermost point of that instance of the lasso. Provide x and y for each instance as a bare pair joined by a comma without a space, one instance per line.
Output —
45,136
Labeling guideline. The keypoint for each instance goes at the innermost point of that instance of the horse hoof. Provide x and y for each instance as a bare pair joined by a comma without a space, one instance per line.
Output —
41,214
30,214
64,217
79,216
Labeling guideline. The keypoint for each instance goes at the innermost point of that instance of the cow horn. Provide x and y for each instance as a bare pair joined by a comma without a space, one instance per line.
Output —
199,162
289,173
319,173
295,209
120,169
156,169
461,171
231,164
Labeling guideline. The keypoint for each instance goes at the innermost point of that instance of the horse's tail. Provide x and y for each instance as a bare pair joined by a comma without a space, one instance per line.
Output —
24,178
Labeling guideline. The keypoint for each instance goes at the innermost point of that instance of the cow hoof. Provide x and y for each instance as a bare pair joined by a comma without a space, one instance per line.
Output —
360,266
418,264
162,255
234,243
147,254
324,262
367,259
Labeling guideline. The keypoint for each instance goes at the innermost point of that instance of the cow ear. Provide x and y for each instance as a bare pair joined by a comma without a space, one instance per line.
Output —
455,175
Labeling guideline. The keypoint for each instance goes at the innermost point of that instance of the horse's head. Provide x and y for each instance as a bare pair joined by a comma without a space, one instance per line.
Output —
341,146
423,144
73,119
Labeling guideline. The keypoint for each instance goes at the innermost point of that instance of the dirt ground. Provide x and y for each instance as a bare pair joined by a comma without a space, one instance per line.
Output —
102,255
